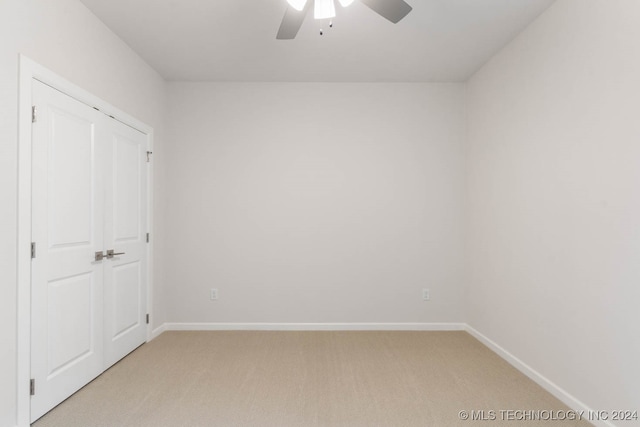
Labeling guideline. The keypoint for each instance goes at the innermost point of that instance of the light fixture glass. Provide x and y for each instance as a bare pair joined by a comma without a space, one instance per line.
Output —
346,3
297,4
324,9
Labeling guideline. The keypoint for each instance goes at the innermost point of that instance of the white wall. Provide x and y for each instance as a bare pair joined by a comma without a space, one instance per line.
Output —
554,200
65,37
315,202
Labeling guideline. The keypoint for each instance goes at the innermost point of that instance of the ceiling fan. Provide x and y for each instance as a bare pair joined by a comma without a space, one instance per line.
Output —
393,10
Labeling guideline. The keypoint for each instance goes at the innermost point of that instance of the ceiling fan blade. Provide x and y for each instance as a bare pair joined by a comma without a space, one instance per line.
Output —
291,23
393,10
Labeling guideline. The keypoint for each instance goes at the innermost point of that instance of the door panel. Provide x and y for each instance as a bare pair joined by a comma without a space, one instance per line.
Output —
126,294
127,168
125,232
69,322
67,284
71,183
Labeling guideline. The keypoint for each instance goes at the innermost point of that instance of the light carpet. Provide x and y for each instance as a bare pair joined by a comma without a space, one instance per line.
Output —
336,378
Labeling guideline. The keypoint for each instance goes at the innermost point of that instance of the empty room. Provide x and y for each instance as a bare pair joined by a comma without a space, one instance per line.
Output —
319,213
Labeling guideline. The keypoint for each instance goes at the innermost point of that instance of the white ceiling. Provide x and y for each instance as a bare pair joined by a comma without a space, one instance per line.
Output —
234,40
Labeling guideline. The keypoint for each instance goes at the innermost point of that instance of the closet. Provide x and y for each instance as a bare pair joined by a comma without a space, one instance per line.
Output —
89,250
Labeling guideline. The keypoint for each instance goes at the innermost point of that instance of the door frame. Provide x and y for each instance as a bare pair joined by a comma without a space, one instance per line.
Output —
29,71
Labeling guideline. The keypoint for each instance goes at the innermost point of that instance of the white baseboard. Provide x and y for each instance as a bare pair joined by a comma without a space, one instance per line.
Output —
538,378
157,331
314,326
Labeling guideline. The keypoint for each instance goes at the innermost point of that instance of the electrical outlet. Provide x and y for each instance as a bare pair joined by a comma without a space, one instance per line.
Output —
426,296
214,294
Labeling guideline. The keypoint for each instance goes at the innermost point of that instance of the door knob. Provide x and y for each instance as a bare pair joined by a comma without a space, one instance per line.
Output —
111,253
99,256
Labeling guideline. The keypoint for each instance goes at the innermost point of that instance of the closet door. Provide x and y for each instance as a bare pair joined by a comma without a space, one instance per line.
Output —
67,342
125,234
89,225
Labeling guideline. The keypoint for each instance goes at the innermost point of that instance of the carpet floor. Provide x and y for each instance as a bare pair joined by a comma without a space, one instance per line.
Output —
337,378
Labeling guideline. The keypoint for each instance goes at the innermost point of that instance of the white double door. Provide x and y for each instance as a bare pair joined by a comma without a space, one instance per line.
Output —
89,188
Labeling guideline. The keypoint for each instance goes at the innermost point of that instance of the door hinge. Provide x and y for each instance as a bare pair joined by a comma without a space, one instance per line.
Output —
149,153
34,114
147,318
32,387
33,250
147,237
